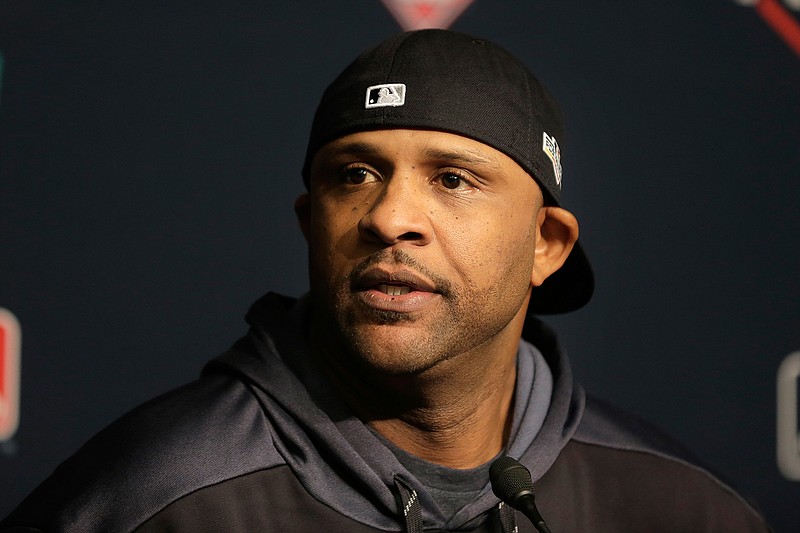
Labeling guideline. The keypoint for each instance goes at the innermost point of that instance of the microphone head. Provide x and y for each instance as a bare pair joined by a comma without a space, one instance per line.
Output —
510,480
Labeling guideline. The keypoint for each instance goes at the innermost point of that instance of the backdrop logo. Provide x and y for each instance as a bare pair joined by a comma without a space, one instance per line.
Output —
779,18
788,442
9,374
419,14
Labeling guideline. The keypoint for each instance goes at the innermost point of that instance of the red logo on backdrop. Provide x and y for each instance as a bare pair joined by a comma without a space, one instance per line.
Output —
420,14
9,374
780,19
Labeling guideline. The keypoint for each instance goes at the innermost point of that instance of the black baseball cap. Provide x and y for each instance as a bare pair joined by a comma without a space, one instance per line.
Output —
448,81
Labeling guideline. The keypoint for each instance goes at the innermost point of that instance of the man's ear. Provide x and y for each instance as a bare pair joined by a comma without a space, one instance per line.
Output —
302,208
557,232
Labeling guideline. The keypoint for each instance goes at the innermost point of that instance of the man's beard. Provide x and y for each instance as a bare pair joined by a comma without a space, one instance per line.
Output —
466,321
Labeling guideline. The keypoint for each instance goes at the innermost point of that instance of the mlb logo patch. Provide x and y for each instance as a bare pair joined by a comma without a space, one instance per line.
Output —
386,95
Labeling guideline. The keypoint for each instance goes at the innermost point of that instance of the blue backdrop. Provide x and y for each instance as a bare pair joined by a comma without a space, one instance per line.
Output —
150,155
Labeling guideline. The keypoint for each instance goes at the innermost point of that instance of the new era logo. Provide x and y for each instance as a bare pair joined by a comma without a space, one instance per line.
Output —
550,147
388,94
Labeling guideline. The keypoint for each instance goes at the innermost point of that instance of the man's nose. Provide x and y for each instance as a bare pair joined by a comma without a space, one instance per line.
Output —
399,213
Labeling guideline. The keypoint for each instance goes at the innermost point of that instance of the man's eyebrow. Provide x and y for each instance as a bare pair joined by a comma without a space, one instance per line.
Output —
463,156
356,147
457,156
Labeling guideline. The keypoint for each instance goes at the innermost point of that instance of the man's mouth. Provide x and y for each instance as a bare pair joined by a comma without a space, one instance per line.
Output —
394,290
393,282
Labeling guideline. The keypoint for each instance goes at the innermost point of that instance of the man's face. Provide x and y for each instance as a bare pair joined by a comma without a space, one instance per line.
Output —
421,247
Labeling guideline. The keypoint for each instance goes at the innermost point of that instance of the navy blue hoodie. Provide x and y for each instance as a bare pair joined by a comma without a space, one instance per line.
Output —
260,442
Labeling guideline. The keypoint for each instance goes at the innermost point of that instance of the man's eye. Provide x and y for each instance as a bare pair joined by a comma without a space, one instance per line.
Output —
357,175
452,181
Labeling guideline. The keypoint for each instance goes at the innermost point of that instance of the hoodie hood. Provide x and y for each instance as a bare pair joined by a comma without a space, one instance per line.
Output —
336,457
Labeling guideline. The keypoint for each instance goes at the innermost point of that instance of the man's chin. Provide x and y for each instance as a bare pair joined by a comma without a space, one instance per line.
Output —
382,317
390,347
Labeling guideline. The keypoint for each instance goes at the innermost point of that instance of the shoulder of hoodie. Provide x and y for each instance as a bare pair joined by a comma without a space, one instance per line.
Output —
606,426
198,435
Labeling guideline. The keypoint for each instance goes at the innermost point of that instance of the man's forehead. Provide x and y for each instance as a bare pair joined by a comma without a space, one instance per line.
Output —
431,144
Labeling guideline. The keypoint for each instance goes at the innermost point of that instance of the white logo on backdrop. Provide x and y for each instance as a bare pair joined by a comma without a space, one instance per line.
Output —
788,441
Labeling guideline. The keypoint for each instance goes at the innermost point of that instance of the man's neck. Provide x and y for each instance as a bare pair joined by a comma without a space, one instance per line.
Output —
457,413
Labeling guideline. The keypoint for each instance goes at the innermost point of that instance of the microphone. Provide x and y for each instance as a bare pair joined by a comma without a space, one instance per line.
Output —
511,482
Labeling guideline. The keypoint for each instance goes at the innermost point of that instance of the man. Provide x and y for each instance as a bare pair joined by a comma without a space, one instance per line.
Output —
379,401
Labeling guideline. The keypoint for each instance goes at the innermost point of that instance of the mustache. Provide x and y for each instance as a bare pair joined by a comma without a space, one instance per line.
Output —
399,257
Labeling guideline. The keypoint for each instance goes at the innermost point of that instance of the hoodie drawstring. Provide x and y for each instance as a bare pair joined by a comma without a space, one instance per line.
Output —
412,511
508,520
